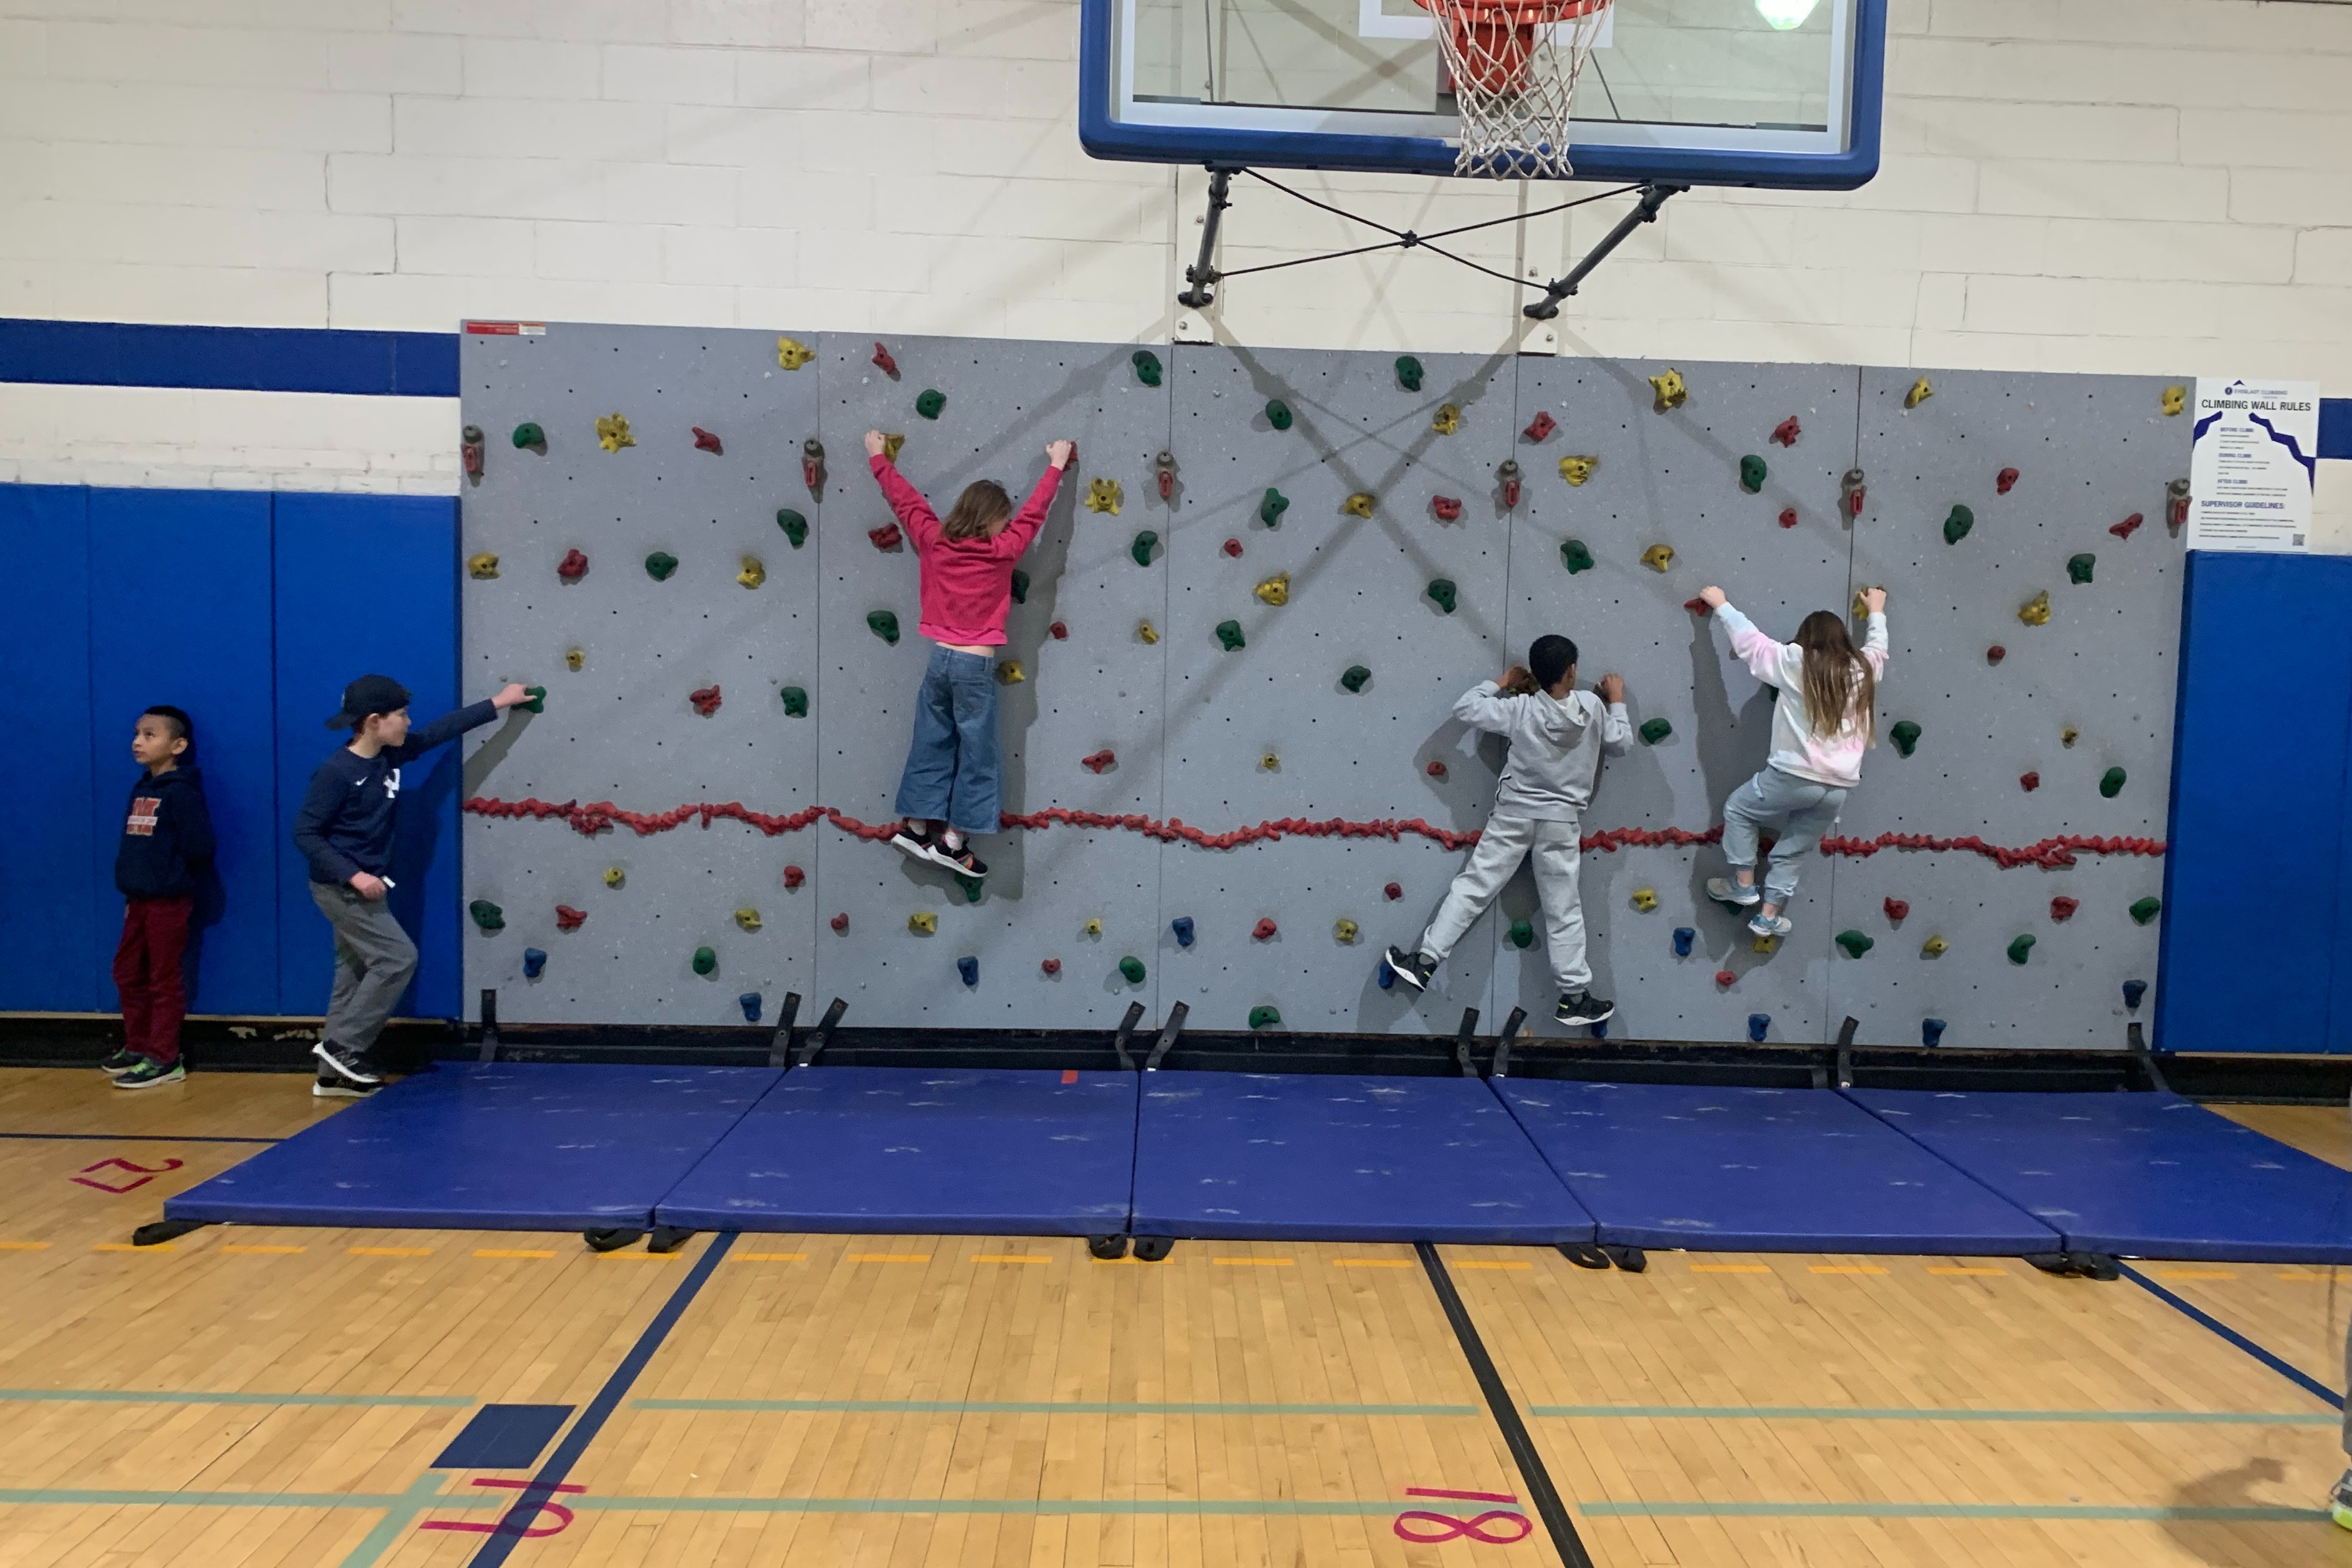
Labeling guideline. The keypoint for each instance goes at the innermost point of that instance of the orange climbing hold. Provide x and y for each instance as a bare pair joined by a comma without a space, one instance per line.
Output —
1263,930
568,918
2063,907
705,699
1098,761
572,566
794,877
1448,508
1787,431
704,440
886,537
2128,527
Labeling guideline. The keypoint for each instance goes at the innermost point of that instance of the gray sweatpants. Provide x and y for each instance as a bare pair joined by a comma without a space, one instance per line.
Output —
1798,810
374,961
1507,842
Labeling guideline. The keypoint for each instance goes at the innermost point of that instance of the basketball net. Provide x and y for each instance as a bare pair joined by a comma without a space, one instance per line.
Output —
1514,65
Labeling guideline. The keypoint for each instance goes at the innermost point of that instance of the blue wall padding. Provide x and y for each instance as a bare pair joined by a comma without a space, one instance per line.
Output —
243,359
398,556
50,947
179,613
2252,955
2336,427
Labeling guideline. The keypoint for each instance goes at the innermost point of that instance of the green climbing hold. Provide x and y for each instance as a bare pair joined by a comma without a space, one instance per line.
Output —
2078,567
487,916
1575,557
660,564
538,702
1355,677
2145,909
795,527
1142,546
1905,734
1855,943
1957,525
1131,968
972,887
1409,373
1020,587
929,402
705,960
883,625
1655,730
2111,782
1443,592
795,702
1277,414
1751,472
2019,947
528,435
1146,366
1263,1017
1523,934
1270,510
1229,633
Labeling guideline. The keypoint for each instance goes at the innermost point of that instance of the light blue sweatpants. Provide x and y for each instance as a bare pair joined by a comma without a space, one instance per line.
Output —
1797,810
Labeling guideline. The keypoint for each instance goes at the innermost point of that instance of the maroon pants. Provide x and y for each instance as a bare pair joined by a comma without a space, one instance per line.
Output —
147,972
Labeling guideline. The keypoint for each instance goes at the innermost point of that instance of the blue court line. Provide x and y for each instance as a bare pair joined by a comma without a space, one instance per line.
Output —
1044,1408
235,359
2093,1511
131,1138
2285,1369
1844,1413
146,1396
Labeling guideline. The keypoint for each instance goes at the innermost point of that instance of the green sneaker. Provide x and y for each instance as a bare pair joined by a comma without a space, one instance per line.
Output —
148,1074
121,1063
2339,1501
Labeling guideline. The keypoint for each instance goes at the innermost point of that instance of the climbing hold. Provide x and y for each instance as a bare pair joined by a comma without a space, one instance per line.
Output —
572,566
1147,633
2029,781
748,919
1104,496
469,452
1541,425
615,876
1696,606
1645,899
1447,507
1896,909
1764,944
1132,968
1853,490
2078,567
2123,529
754,572
1354,676
2176,398
1920,393
1684,937
1437,769
923,921
1142,546
886,537
1957,524
884,362
1343,930
812,463
928,402
1057,630
1996,653
2063,907
484,565
1574,556
2019,947
840,922
2175,503
530,437
1263,1017
1506,475
1934,947
536,702
968,967
613,432
660,564
1270,510
1275,589
2004,481
534,960
883,625
1051,965
704,440
487,916
1277,414
1146,366
1163,468
1408,370
1861,604
1358,504
1229,633
1393,891
568,918
1669,391
1855,943
2133,991
2035,612
1905,734
893,443
705,960
1447,420
1725,977
1655,730
1441,591
1787,431
1931,1032
1578,469
1523,934
1263,930
704,699
1752,473
795,527
1098,761
1008,673
1020,586
1657,557
1183,927
794,877
791,353
750,1002
2111,782
1232,547
1759,1026
1092,927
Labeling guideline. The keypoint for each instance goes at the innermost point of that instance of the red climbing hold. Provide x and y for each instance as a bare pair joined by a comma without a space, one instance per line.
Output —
1059,630
572,566
1541,425
1787,431
1098,761
2063,907
2125,529
1788,517
2176,514
1264,929
841,922
1725,977
2029,782
2004,481
884,362
1996,653
1696,606
794,877
1052,965
886,537
469,450
1448,508
705,700
1393,891
703,439
1437,769
568,918
1896,909
1233,547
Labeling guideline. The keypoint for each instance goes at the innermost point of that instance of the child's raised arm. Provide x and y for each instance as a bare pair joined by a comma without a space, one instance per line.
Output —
1485,707
1763,656
914,513
1874,641
1032,514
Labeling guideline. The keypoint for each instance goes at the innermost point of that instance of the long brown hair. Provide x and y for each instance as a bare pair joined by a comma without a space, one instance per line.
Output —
1838,685
977,511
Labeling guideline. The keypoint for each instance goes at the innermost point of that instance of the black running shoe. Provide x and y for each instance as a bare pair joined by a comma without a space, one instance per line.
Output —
149,1074
344,1062
328,1086
1584,1007
121,1063
962,861
1414,968
915,844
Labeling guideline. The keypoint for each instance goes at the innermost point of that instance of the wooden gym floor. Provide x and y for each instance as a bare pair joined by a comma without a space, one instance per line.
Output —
249,1397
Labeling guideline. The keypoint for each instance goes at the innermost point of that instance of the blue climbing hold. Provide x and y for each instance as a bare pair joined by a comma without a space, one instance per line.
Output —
1388,976
1601,1030
969,970
1684,938
2133,991
1931,1032
1759,1026
533,961
750,1002
1183,927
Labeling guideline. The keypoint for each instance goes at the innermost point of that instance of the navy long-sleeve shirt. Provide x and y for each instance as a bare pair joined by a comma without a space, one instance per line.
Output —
167,835
346,818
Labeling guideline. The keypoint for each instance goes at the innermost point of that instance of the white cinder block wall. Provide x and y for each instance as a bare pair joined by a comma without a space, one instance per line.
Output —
2136,186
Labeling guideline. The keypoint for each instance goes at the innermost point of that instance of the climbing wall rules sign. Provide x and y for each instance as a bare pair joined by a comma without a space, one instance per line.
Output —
2251,469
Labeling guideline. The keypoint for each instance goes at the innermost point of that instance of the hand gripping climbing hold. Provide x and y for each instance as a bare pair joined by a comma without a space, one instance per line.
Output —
1057,630
1920,393
1861,604
968,967
1104,496
1263,930
1574,556
469,452
1099,760
2004,481
615,876
1020,586
705,960
1009,672
704,440
1645,900
1232,547
529,437
568,918
1358,504
1787,431
883,625
2176,398
1277,414
748,919
660,565
791,353
1441,591
753,574
484,565
893,443
1905,735
1931,1033
1145,542
613,432
1437,769
1658,558
487,916
1354,676
1229,634
1506,476
1263,1017
1934,947
2019,946
887,538
704,699
1183,927
572,566
813,465
1051,967
2125,529
1697,606
1668,391
1655,730
795,706
1759,1026
1958,523
2133,991
1131,968
1684,937
1896,909
2079,566
1447,507
1447,420
2111,783
536,701
534,962
840,922
1853,491
794,877
923,922
1996,653
2029,781
1855,943
795,527
1577,470
2035,612
1146,366
1275,589
1752,473
2063,907
1726,979
1522,934
1540,426
928,402
1408,372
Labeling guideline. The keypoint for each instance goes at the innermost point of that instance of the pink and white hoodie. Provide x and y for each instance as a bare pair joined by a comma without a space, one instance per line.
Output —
1834,760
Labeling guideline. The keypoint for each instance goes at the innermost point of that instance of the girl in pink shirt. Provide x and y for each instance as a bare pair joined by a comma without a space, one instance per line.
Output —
954,766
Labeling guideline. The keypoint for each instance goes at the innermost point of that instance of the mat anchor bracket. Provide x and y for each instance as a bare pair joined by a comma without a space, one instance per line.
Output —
163,1230
780,1044
1159,1050
1463,1039
1152,1248
821,1035
1654,196
490,1025
611,1238
668,1238
1584,1255
2077,1265
1846,1053
2137,1040
1632,1259
1501,1067
1109,1249
1126,1029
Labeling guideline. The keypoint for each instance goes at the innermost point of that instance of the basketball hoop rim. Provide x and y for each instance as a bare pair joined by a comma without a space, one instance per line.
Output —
1520,13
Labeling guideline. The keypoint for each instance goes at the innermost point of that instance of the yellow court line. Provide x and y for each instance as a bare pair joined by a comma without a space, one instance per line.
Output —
390,1251
509,1252
1254,1262
890,1257
1935,1270
266,1251
1845,1269
1731,1268
129,1247
1468,1263
1371,1262
2282,1274
1010,1258
24,1245
2197,1273
769,1257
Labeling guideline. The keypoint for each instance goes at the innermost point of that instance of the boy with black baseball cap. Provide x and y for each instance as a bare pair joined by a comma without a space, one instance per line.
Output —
344,831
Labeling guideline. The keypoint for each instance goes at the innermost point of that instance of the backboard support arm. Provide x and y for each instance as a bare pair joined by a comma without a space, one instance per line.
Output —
1646,211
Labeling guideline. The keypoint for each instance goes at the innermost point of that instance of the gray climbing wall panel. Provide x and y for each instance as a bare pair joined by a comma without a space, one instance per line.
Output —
1223,741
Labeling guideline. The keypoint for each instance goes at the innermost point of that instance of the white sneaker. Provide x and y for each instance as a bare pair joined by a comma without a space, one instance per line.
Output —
1771,924
1725,891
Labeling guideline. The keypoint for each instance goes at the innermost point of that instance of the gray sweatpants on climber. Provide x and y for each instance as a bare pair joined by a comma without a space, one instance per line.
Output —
1507,842
374,961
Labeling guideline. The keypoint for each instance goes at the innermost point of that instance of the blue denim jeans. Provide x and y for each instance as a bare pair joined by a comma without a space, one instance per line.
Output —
955,768
1798,810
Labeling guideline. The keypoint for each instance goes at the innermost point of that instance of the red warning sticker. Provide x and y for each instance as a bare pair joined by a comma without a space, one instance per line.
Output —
508,329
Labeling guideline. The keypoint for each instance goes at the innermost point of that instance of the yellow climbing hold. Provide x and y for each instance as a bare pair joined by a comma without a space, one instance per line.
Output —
1358,504
748,919
1094,927
1146,632
1008,673
613,432
1920,393
1657,557
791,353
1764,944
1934,947
2069,736
482,565
615,876
924,920
753,574
1276,590
1860,601
1577,470
1670,390
2175,400
1104,496
891,441
1645,899
2035,612
574,658
1345,930
1270,762
1448,419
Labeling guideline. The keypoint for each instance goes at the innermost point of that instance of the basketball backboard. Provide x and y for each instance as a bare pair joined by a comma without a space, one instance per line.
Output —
1712,93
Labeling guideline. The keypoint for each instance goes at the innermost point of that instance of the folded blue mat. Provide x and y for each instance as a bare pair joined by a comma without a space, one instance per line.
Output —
510,1146
909,1150
2144,1175
1306,1157
1759,1170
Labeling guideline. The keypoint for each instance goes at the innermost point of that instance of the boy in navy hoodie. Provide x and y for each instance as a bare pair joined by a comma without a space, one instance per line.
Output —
167,845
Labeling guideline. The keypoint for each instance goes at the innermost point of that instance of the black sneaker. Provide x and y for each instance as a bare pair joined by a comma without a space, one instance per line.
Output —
341,1060
1414,968
148,1074
915,844
328,1086
121,1063
962,861
1583,1008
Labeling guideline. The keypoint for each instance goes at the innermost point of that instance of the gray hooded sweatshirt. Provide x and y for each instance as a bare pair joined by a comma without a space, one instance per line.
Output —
1556,747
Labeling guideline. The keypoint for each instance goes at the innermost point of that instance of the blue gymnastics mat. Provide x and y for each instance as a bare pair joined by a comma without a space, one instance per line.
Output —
1306,1157
902,1150
1759,1170
510,1146
2144,1175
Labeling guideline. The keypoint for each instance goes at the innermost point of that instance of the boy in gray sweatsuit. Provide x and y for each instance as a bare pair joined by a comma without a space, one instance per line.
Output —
1558,735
